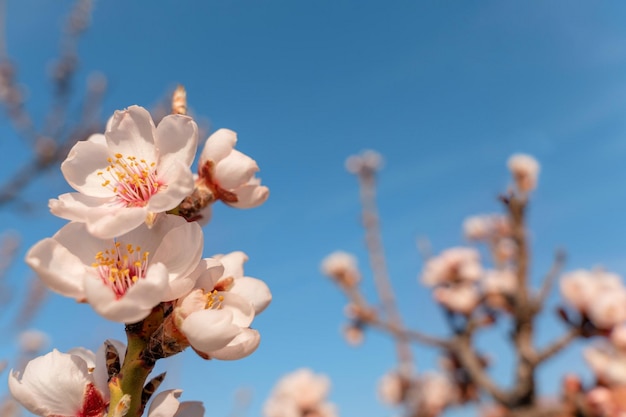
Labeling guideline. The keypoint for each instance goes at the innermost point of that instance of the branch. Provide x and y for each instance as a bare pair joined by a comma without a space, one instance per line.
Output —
557,345
548,281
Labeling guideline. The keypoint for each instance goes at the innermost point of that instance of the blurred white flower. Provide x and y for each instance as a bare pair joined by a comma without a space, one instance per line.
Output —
229,173
33,340
166,404
525,171
129,174
607,363
368,161
460,298
298,394
453,265
391,388
342,267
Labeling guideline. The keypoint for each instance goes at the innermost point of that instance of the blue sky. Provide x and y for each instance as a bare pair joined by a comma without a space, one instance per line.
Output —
444,91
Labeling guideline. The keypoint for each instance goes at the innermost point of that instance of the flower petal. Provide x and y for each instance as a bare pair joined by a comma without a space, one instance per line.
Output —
80,169
176,139
211,271
250,195
179,183
241,346
165,404
75,206
108,222
235,170
132,133
209,330
218,146
255,291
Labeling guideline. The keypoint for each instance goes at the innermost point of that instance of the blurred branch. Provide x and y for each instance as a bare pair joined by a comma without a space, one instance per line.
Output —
548,281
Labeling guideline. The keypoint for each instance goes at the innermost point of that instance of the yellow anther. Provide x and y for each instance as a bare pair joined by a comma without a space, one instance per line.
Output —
118,155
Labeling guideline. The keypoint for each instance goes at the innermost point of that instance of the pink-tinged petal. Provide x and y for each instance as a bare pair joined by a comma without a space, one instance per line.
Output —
192,302
133,306
233,263
81,168
75,237
176,139
97,138
190,409
241,346
58,268
165,404
85,354
178,184
108,222
235,170
250,196
132,133
218,146
180,248
209,330
255,291
212,270
56,384
243,312
75,206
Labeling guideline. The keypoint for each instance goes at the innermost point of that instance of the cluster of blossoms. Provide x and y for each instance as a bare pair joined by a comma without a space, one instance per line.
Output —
133,251
300,394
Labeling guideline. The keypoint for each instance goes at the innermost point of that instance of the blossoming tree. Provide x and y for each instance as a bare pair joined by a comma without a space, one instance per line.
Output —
473,294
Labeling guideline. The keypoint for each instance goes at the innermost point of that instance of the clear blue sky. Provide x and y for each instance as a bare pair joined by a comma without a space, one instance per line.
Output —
446,91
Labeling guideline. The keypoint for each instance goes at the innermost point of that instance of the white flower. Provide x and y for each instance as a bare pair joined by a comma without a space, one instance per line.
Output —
582,288
608,309
391,388
215,317
123,279
435,392
499,282
341,266
33,340
60,384
607,363
230,173
130,173
460,298
299,392
525,170
452,265
166,404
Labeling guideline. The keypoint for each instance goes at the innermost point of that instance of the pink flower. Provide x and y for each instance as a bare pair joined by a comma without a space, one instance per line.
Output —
215,317
607,363
460,298
130,173
229,173
582,288
60,384
452,265
342,267
123,279
525,170
486,226
391,388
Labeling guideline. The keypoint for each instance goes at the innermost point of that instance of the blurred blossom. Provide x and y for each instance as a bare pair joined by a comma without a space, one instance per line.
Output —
608,309
229,173
525,171
166,404
580,287
505,250
460,298
391,388
453,265
301,393
353,334
618,336
435,392
607,363
500,281
367,162
342,267
33,340
486,226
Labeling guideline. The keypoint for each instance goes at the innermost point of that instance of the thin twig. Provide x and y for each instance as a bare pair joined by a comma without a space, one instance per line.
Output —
558,345
548,281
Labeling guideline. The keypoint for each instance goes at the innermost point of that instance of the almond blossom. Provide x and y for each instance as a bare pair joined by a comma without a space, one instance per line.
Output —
230,174
123,278
60,385
525,171
342,267
129,174
215,317
301,393
453,265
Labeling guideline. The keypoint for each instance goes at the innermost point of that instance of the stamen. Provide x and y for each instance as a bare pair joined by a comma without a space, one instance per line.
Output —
133,181
121,266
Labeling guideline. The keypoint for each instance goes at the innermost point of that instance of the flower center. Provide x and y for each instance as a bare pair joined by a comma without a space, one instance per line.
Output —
213,300
134,181
120,267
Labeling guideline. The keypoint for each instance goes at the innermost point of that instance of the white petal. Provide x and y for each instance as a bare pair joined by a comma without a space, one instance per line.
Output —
243,312
176,139
76,206
82,165
218,146
255,291
235,170
109,222
241,346
58,268
211,271
209,330
131,133
179,183
53,384
165,404
250,196
233,263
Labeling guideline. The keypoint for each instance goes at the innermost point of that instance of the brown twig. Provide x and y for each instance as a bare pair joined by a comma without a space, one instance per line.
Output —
548,281
558,345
